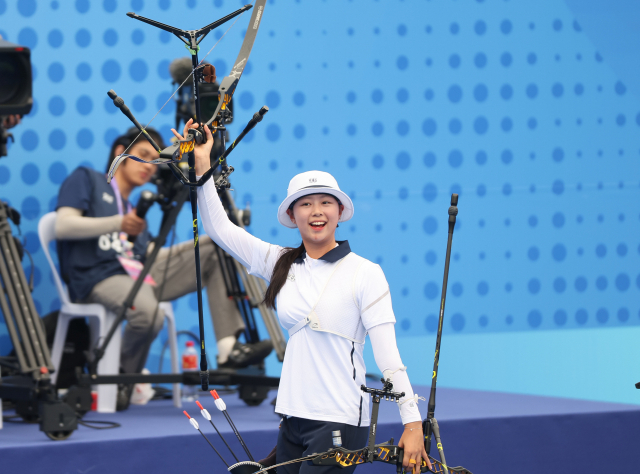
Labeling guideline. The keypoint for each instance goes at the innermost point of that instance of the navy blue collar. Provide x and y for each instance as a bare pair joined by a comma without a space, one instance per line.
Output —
333,255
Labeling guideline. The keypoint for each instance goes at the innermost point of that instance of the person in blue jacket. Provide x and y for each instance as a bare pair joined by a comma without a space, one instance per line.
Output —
99,264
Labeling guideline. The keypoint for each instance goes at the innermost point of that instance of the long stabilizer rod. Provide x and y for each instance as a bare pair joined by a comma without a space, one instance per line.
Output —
430,425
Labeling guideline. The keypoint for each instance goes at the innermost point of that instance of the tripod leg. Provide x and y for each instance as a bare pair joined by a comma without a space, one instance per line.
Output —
25,358
233,290
29,340
255,292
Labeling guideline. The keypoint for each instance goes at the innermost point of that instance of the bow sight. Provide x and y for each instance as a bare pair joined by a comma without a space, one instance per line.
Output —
377,395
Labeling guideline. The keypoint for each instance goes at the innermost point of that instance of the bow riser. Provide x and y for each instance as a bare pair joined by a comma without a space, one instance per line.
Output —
225,92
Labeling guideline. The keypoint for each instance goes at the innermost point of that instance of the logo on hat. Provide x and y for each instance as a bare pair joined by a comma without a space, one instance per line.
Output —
313,180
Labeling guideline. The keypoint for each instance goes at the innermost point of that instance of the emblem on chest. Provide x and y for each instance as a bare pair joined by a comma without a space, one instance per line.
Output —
291,277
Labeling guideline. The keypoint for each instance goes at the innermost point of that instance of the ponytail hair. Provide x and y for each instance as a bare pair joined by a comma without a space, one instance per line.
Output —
280,273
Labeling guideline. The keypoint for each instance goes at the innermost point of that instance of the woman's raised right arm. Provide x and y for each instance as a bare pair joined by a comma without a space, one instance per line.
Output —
237,242
234,240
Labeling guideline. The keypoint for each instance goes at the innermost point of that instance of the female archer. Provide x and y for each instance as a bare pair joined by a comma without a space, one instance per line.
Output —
328,298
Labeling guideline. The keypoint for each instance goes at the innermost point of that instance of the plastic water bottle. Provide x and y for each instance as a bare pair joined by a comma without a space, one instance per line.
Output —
189,364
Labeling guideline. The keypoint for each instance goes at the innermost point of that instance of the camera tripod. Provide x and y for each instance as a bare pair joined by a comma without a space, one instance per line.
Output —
30,388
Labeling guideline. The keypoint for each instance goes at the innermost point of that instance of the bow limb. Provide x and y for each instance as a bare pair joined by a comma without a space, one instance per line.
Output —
226,90
229,83
238,13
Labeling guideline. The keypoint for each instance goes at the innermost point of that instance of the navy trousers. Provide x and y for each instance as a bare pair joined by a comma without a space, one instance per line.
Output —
300,437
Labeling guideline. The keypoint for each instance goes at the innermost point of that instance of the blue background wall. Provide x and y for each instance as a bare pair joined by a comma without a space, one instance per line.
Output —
529,112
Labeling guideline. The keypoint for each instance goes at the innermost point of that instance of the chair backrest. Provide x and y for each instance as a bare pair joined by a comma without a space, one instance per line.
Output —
47,234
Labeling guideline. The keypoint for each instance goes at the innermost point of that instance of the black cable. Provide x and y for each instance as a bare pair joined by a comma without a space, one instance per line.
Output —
89,424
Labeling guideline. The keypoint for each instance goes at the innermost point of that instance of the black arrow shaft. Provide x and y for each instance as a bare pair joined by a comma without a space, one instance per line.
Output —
237,433
224,441
220,455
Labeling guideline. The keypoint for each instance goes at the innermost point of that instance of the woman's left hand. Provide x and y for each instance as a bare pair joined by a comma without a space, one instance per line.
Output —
412,441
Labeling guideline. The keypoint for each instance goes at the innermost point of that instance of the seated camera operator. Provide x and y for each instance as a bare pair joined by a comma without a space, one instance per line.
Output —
94,219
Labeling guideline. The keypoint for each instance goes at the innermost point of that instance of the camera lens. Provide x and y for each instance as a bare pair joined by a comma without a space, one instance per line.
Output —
15,79
10,78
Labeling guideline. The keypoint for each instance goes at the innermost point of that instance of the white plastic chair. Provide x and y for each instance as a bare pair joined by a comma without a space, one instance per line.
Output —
100,320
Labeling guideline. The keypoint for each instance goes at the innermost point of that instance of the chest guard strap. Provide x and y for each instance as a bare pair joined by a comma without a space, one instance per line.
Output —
322,319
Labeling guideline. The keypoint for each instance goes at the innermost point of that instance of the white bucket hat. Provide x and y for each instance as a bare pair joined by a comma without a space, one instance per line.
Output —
313,182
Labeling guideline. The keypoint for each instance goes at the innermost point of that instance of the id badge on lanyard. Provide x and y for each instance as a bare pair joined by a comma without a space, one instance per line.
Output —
130,265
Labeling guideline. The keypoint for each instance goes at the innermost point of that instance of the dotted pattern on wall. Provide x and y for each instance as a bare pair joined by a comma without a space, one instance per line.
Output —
506,103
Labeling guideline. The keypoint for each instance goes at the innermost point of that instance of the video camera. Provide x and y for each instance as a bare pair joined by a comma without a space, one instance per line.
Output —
15,85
